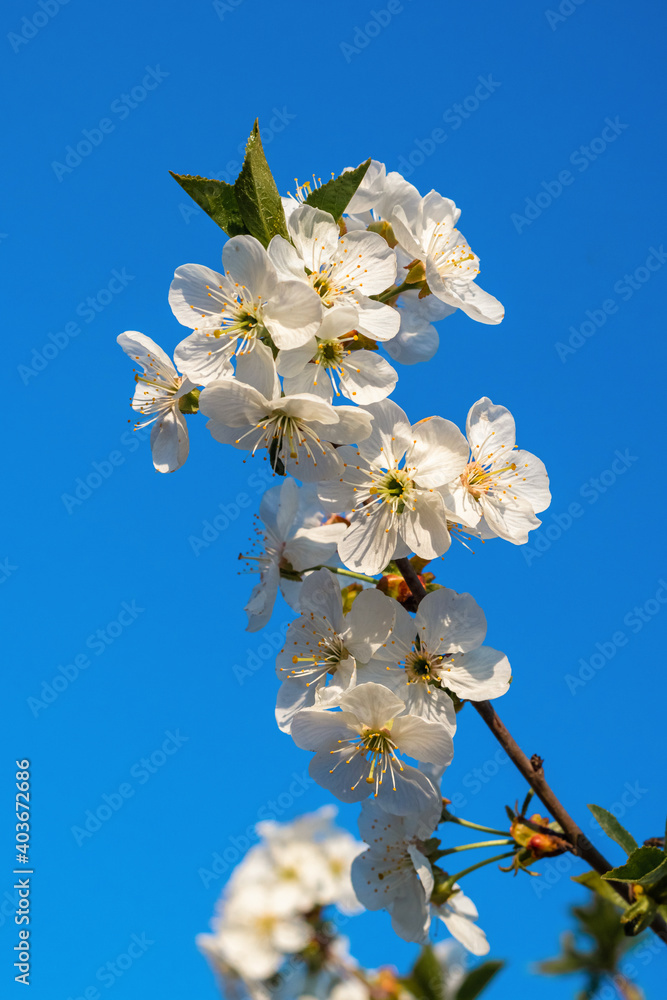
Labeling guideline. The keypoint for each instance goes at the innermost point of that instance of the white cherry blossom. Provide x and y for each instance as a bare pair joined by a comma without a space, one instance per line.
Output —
390,483
229,312
343,270
157,396
294,539
357,749
329,364
298,430
427,232
254,931
502,484
323,645
440,649
393,873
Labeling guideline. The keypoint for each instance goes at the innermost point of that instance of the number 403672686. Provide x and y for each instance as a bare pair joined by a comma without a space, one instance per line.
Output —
22,804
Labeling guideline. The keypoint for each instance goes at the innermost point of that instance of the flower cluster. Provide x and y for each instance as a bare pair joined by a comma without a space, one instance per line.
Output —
273,906
292,324
276,933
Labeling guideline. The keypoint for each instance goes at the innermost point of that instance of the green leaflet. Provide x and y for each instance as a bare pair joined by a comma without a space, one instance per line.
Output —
217,199
334,196
646,865
477,980
613,829
257,195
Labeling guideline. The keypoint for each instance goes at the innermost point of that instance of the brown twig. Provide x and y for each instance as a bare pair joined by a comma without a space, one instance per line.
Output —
532,771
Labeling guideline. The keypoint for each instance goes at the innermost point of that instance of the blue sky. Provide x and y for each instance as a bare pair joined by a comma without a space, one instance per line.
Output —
546,128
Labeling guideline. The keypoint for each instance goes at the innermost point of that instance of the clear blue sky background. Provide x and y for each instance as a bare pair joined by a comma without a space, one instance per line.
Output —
67,574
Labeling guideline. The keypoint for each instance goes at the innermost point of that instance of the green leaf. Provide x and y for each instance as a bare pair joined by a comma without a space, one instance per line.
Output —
425,982
478,980
597,884
334,196
257,195
613,829
646,865
217,199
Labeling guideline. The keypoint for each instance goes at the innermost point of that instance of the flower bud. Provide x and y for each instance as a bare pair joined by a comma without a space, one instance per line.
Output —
385,231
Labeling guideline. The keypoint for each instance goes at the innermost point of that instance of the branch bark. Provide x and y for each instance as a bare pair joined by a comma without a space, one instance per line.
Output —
533,772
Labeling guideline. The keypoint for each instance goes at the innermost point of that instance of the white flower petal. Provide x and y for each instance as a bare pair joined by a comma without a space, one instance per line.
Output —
314,234
146,352
292,315
205,358
257,368
169,441
450,623
376,319
439,452
479,675
248,263
489,428
367,378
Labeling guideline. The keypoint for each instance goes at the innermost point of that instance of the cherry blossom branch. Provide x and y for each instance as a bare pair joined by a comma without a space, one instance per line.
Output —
532,771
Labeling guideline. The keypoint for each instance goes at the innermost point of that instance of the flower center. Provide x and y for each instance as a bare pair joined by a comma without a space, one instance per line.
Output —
325,660
282,435
395,488
452,255
479,479
420,665
330,353
379,752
